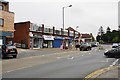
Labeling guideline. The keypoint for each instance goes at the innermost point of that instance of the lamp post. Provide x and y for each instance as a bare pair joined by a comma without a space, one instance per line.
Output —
63,16
63,8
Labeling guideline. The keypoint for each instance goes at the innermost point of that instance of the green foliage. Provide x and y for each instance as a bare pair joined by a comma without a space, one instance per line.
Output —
109,37
115,39
93,39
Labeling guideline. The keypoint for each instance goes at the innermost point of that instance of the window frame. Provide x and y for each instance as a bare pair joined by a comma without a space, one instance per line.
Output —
2,22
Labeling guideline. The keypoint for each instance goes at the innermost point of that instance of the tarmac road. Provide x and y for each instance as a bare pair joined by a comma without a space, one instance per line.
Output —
76,64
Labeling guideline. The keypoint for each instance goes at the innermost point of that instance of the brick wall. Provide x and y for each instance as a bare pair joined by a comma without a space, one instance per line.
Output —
8,18
22,33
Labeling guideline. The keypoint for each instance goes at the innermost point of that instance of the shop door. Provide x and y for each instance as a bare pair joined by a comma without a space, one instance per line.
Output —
40,43
36,43
50,44
57,43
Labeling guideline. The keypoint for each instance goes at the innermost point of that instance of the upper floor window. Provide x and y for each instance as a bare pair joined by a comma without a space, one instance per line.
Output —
1,22
1,7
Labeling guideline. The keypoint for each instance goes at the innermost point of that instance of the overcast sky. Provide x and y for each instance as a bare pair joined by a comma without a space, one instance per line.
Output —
89,15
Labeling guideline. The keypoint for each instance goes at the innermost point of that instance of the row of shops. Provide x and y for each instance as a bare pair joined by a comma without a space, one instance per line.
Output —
34,36
45,41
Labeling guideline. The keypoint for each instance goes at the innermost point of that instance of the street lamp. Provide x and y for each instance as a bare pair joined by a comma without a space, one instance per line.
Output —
63,16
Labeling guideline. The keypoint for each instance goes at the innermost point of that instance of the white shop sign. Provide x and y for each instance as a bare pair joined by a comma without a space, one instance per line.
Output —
1,42
48,37
30,34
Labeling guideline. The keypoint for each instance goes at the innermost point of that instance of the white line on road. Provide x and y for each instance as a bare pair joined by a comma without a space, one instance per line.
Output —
58,57
114,63
71,58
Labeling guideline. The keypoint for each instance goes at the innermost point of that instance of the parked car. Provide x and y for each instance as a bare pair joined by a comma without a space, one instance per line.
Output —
115,45
94,44
113,53
118,44
8,50
85,46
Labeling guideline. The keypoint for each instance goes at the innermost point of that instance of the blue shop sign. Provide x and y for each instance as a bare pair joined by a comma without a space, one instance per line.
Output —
2,33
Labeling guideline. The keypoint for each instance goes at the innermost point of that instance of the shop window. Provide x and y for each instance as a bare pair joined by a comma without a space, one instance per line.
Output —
1,7
1,22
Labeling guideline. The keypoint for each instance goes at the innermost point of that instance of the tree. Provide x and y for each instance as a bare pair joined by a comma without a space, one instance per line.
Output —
115,39
93,39
100,34
108,30
119,27
101,31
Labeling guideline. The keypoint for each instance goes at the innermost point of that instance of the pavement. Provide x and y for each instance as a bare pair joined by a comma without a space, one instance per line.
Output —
43,49
105,73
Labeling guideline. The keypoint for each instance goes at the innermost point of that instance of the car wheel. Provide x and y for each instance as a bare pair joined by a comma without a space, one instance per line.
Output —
90,48
14,56
87,49
80,49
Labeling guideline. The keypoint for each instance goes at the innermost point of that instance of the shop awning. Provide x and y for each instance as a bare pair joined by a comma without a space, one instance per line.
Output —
48,37
58,38
67,38
9,34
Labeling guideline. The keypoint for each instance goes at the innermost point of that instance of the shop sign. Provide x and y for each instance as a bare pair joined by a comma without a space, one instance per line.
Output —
0,41
48,37
37,36
30,34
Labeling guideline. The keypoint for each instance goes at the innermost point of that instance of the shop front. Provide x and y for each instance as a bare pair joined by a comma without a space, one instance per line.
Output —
68,42
48,41
36,41
58,42
6,37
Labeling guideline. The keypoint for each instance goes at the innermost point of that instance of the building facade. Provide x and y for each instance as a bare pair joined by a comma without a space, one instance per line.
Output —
6,23
38,36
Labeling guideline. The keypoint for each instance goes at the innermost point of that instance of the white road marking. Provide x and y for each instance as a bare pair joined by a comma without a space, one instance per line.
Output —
43,55
106,60
82,55
114,63
17,69
89,53
68,55
58,57
71,58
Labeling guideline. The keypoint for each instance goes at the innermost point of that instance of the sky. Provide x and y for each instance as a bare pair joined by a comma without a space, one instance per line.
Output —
89,15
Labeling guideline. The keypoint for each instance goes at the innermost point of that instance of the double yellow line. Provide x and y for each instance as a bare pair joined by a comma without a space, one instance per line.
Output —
98,71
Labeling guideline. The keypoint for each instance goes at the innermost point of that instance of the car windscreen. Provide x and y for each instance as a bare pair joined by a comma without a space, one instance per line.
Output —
11,47
115,44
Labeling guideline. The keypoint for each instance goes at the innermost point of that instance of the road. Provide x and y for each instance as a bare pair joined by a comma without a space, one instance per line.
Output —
71,64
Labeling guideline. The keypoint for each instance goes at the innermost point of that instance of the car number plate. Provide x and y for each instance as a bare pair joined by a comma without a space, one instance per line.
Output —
12,51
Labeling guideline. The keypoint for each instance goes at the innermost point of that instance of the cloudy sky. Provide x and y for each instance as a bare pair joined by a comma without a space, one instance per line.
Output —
89,15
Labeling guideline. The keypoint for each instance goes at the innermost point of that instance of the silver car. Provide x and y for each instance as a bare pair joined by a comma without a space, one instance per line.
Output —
115,45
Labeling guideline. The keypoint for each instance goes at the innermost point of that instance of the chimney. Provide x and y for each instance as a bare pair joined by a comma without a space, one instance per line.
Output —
61,31
42,28
53,30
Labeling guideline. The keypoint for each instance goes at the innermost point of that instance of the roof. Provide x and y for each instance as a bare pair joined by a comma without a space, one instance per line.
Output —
22,22
86,36
71,29
3,1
